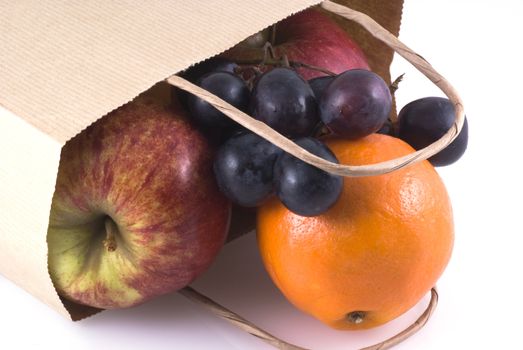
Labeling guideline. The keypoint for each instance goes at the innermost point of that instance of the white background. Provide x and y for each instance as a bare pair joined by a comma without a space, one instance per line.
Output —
476,45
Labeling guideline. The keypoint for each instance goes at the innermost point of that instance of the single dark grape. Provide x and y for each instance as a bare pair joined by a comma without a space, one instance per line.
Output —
284,101
214,64
228,87
244,168
303,188
424,121
387,128
355,104
319,84
194,73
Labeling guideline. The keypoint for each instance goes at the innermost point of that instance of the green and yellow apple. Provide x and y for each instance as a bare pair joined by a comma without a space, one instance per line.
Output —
136,212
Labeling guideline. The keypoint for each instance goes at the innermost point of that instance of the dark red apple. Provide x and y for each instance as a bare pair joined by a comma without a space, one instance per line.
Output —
309,37
136,212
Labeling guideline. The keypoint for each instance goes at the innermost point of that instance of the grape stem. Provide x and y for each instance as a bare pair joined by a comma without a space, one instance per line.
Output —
270,59
321,130
273,34
268,54
394,117
292,64
296,64
395,84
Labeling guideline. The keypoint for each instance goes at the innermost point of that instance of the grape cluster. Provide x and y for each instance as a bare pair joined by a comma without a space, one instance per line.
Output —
351,105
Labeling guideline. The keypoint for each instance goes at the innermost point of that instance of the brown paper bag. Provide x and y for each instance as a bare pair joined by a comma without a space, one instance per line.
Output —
65,64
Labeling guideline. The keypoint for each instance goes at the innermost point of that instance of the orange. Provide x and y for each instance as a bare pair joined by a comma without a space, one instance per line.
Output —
375,253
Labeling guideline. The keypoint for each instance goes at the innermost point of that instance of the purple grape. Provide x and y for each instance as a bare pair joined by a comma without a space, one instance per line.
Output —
228,87
285,102
424,121
355,104
303,188
244,168
196,72
214,64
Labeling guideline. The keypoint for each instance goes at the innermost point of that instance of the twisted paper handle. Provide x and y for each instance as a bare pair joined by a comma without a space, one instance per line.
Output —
251,328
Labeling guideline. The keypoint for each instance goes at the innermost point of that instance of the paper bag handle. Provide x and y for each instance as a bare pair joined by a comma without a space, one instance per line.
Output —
256,331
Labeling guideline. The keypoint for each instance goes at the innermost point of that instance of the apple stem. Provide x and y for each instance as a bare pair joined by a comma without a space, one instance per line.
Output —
110,240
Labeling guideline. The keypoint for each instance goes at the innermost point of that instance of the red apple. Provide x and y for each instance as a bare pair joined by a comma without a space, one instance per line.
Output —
136,212
309,37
